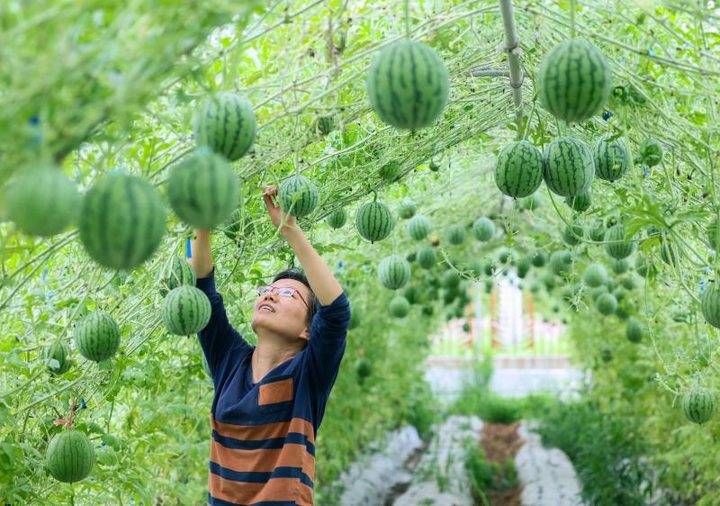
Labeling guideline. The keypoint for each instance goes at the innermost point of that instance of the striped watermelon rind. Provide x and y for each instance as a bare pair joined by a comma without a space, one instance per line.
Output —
70,456
568,167
374,221
713,234
298,195
177,272
651,152
203,190
710,304
407,209
456,235
408,85
97,336
612,159
580,202
616,244
122,221
394,272
606,304
634,330
419,227
574,80
337,218
42,201
518,172
225,123
560,262
698,404
573,234
483,229
399,306
57,351
426,257
595,275
186,310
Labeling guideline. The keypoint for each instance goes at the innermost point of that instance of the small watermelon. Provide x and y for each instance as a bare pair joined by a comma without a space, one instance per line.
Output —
573,234
629,282
434,166
337,218
518,172
97,336
616,244
374,221
532,202
407,209
483,229
698,404
391,171
58,352
456,235
363,368
574,80
418,227
651,152
408,85
620,266
560,262
325,124
426,257
412,294
710,304
450,279
606,304
597,231
186,310
70,456
612,159
177,272
225,122
203,190
298,196
569,168
538,259
399,306
634,330
580,202
523,267
42,201
644,267
595,275
394,272
122,221
239,225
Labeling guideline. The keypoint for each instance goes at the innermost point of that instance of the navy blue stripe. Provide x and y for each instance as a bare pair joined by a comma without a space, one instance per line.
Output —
219,502
254,477
264,444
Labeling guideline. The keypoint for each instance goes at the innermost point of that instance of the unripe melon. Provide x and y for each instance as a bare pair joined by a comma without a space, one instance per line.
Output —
698,404
710,304
97,336
634,330
418,227
456,234
651,152
225,122
391,171
70,456
483,229
612,159
595,275
426,257
560,262
177,272
394,272
518,172
239,225
581,202
298,196
606,303
568,167
337,218
616,244
374,221
59,352
399,306
407,209
186,310
41,201
573,234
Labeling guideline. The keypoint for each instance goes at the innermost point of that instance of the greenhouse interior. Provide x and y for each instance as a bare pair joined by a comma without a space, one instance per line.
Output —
359,252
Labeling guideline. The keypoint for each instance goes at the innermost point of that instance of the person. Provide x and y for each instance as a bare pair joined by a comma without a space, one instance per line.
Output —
270,399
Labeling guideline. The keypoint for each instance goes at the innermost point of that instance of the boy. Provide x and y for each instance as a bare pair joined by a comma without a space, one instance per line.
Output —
270,399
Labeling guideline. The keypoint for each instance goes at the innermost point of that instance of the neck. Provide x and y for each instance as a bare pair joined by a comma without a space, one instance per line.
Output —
271,352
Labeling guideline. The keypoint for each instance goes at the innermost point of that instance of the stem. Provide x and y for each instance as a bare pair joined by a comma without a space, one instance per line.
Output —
406,8
572,19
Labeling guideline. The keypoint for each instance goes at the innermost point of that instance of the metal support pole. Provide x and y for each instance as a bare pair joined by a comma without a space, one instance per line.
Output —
512,47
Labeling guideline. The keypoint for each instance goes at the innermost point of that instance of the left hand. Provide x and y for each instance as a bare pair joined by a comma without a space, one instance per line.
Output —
277,215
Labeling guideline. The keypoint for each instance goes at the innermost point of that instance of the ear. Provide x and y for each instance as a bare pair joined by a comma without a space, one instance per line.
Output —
305,334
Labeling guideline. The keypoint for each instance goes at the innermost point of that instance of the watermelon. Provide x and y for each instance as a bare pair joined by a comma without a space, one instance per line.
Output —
411,257
483,229
560,262
597,231
523,267
634,330
186,310
450,279
710,304
612,159
651,152
374,221
399,306
713,234
573,234
597,292
298,196
698,404
97,336
606,303
568,166
629,282
337,218
667,252
580,202
58,352
203,190
643,266
426,257
606,354
620,266
42,201
408,85
518,172
411,294
363,368
616,244
456,234
70,456
394,272
122,221
434,166
225,123
538,259
489,269
428,310
238,225
391,171
407,209
418,227
574,80
325,124
549,281
177,272
619,293
532,202
595,275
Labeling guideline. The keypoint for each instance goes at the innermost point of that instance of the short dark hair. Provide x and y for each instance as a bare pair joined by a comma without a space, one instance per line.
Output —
299,275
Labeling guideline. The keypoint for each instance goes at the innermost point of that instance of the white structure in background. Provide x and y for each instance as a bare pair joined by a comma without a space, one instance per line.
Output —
510,311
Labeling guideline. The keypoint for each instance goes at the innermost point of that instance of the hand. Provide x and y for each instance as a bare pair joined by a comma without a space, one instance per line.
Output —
277,215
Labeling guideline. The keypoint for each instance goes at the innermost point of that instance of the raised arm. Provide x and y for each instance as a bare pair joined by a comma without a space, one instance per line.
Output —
201,259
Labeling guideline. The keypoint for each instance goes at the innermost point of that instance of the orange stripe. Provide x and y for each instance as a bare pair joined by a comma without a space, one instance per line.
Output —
263,460
276,489
265,430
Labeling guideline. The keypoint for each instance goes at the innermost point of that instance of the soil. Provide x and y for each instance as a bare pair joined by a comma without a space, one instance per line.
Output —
500,443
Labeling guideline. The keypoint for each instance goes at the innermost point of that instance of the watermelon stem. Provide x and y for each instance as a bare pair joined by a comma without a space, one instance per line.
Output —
572,19
406,9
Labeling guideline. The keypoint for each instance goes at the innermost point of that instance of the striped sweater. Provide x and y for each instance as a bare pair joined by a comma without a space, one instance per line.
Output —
263,435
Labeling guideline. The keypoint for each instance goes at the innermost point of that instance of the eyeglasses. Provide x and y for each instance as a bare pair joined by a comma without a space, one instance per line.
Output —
283,291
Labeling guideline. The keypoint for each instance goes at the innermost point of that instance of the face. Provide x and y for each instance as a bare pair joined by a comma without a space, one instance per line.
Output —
286,316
